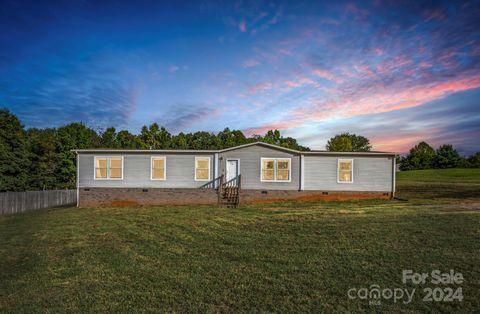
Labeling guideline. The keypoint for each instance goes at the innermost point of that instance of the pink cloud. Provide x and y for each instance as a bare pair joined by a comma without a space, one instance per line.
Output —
425,65
391,65
409,72
327,75
370,99
260,87
273,126
242,26
378,51
299,81
390,143
364,70
250,63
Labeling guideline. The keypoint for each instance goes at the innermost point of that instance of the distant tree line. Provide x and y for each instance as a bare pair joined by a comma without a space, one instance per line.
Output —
423,156
38,159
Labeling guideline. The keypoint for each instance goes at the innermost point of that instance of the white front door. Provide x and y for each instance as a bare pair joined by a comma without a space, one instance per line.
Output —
232,169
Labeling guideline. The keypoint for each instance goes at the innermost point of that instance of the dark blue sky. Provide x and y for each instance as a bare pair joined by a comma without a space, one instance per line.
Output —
395,71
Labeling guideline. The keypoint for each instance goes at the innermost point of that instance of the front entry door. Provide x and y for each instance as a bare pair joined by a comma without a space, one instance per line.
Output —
233,169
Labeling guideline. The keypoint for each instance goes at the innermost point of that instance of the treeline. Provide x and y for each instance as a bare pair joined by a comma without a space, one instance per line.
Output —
38,159
423,156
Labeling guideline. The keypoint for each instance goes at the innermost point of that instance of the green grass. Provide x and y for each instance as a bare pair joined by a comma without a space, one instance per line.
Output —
456,175
439,185
288,257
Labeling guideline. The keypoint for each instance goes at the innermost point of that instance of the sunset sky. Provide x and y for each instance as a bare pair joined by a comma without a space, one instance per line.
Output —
397,72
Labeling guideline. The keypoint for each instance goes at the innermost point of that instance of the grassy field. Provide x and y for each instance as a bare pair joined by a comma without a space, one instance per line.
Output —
439,185
440,175
289,257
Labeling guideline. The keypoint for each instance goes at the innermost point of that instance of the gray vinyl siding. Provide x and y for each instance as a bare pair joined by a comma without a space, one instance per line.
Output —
250,167
180,171
369,174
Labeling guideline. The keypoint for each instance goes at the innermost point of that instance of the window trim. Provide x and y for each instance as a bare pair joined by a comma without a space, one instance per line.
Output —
275,169
209,167
164,158
339,160
108,168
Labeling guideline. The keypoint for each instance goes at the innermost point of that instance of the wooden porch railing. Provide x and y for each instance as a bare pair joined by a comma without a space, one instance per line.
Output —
228,192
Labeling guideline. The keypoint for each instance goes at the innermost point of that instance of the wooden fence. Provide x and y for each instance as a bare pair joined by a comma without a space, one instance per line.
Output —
18,202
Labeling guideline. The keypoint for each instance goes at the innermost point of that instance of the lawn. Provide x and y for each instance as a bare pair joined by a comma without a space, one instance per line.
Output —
289,257
456,175
439,185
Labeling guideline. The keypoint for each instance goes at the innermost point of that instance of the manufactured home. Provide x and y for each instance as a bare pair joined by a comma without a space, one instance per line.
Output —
256,172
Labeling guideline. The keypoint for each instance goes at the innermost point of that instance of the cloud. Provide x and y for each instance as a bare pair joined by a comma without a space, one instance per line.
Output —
173,68
454,120
185,116
64,89
324,74
260,87
242,26
250,63
360,102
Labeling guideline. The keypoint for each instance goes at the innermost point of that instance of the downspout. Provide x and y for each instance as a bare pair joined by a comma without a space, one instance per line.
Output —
302,172
215,171
78,179
394,174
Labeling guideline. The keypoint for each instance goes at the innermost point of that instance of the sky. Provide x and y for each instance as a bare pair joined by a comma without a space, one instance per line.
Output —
397,72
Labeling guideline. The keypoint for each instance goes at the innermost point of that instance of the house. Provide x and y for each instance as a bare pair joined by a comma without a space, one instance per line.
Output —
255,172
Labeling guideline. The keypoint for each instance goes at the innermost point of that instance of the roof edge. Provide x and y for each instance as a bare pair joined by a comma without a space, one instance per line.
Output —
213,151
263,144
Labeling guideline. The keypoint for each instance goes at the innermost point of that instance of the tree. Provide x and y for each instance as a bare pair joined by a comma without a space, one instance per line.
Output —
14,156
127,140
180,141
447,157
421,156
227,138
274,137
72,136
155,137
203,140
340,143
474,160
347,142
45,159
108,138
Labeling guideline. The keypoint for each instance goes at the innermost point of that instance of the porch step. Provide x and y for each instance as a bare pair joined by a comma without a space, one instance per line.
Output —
229,196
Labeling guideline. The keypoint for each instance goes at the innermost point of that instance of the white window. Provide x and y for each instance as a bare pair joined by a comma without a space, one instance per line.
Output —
158,170
276,169
345,171
202,168
108,168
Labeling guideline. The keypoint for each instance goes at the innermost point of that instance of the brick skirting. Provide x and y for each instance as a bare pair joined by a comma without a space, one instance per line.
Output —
148,196
265,196
173,196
